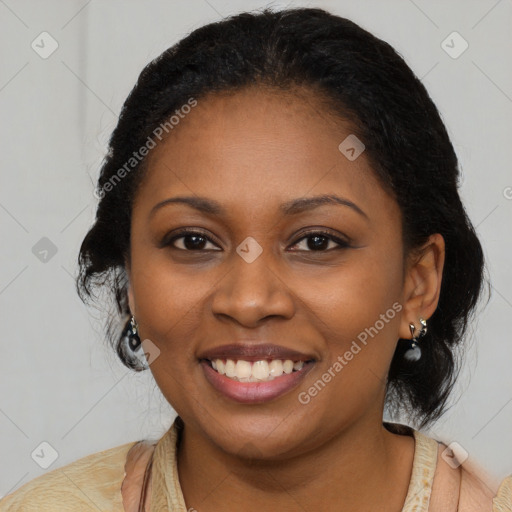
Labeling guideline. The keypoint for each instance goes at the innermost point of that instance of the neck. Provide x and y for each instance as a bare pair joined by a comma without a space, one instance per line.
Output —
363,467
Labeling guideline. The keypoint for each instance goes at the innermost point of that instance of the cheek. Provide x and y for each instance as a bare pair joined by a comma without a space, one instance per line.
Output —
168,302
352,297
359,318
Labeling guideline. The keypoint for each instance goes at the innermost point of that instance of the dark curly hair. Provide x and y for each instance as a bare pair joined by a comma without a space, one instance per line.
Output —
361,79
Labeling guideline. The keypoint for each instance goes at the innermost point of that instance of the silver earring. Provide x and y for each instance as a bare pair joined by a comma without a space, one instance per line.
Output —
414,352
130,346
133,335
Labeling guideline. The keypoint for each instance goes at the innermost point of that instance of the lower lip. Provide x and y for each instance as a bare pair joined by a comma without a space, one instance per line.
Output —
254,392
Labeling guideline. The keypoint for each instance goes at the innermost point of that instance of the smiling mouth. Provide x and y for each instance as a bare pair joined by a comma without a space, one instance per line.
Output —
264,370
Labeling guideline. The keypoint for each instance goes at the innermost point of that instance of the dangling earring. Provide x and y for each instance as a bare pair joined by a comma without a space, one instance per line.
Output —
130,347
133,335
414,352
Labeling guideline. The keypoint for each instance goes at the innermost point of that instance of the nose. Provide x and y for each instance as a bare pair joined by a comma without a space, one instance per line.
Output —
252,292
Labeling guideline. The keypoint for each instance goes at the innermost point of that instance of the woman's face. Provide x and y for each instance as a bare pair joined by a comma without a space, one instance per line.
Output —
256,284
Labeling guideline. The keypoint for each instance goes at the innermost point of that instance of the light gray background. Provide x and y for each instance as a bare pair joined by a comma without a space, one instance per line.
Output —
59,382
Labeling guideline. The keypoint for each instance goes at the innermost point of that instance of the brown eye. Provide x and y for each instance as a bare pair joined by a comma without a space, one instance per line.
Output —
320,242
191,241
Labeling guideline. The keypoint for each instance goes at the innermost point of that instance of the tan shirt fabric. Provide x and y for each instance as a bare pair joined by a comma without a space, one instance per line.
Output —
94,483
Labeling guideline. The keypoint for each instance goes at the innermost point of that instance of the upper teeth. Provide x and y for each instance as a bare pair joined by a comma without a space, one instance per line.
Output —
248,371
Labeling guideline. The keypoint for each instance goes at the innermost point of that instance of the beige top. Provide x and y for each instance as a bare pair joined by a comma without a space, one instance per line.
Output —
94,482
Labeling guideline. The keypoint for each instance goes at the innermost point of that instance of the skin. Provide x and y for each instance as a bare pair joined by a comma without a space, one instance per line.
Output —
251,151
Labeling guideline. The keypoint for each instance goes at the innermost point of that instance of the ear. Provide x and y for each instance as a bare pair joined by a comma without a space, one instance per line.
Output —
422,284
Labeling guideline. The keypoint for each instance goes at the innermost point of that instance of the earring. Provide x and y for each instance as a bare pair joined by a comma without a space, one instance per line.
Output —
133,335
414,352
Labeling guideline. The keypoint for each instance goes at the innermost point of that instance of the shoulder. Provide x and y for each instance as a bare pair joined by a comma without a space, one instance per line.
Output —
503,500
476,491
467,487
479,493
90,483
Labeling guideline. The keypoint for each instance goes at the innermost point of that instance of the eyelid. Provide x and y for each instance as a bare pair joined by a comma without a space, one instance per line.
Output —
169,239
340,241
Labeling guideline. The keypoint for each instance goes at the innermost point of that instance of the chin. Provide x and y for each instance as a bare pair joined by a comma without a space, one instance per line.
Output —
259,436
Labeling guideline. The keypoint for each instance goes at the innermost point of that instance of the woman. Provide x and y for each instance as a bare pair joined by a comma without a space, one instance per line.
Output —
280,226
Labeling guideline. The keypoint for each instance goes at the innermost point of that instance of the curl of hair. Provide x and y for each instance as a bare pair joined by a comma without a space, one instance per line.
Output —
360,78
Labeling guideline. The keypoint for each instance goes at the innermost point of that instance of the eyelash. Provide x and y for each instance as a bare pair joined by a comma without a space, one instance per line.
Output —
342,244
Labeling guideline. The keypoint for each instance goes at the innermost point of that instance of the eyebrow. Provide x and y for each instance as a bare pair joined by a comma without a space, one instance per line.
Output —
293,207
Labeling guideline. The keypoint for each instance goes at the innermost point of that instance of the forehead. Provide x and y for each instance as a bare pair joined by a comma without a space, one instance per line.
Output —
257,147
